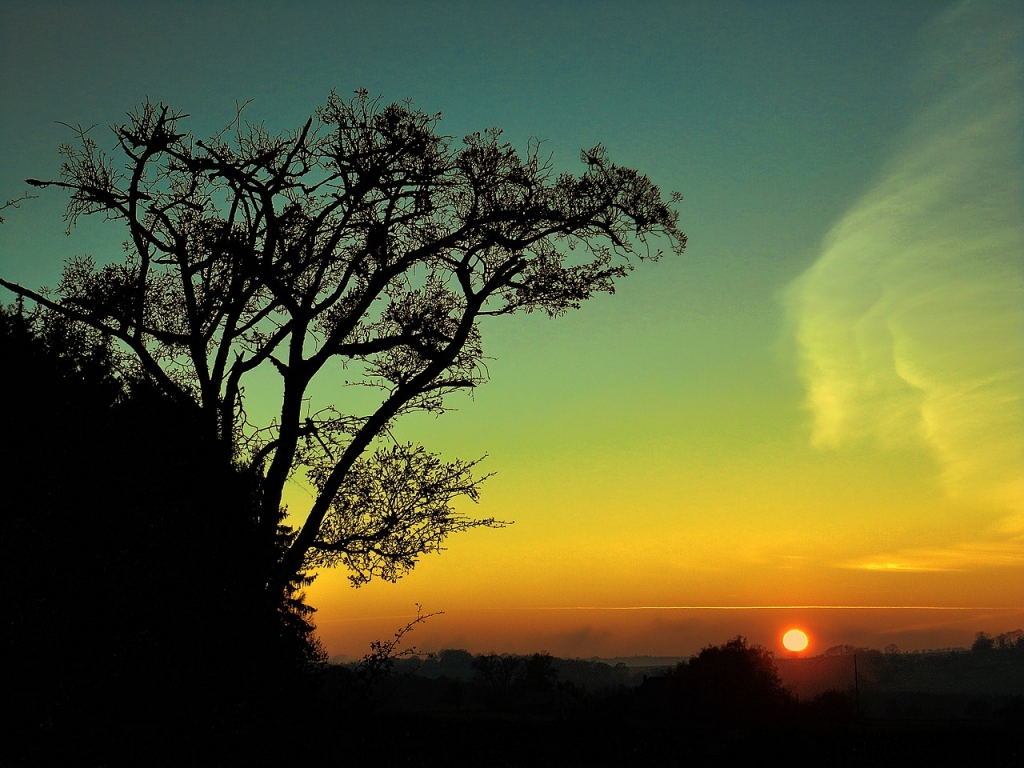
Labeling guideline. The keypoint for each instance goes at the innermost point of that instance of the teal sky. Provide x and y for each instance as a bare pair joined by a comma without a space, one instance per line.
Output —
829,380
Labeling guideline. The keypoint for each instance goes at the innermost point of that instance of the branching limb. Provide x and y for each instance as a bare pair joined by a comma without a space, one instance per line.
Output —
15,202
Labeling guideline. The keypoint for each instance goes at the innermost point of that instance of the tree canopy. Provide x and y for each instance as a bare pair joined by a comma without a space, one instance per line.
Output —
364,237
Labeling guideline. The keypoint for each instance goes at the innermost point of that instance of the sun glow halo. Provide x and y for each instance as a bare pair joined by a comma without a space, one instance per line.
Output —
794,640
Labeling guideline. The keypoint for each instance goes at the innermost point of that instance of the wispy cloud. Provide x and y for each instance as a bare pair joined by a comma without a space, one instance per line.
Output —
988,554
910,325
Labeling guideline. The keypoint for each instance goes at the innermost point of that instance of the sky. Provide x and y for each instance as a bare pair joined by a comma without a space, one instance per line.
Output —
814,417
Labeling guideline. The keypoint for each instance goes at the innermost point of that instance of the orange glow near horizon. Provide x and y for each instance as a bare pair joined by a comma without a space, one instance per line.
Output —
795,640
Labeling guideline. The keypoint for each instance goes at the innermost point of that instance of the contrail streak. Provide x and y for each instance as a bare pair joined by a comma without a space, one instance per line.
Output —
769,608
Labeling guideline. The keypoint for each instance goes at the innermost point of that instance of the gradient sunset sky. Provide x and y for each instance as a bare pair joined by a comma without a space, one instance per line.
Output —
813,418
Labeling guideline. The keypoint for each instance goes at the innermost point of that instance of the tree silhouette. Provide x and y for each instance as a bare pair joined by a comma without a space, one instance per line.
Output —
364,249
734,680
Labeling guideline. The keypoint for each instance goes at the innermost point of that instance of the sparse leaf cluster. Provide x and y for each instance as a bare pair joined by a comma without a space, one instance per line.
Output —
394,506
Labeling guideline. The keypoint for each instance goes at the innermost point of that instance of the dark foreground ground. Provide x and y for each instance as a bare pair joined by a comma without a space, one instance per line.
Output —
951,709
488,741
612,734
484,739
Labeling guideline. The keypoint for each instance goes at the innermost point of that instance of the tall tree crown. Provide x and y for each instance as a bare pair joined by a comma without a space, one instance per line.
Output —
365,237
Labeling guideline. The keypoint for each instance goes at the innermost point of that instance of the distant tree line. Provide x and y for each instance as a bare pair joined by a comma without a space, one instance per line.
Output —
728,702
734,681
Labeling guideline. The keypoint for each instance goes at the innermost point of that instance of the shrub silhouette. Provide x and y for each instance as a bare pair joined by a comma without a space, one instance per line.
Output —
131,568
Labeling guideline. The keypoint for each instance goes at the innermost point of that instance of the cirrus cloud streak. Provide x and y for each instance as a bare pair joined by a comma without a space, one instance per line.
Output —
910,325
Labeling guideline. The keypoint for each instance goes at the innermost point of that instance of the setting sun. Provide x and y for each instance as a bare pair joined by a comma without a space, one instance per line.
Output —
794,640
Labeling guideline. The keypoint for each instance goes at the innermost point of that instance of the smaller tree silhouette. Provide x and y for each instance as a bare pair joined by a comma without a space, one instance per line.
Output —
498,676
983,644
735,681
513,682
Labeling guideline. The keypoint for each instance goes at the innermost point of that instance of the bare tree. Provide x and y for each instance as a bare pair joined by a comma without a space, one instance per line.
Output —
363,238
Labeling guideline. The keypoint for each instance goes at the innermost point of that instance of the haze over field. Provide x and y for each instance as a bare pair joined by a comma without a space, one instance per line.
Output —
813,418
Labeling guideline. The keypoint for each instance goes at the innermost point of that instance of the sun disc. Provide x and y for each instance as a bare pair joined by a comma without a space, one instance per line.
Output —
794,640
